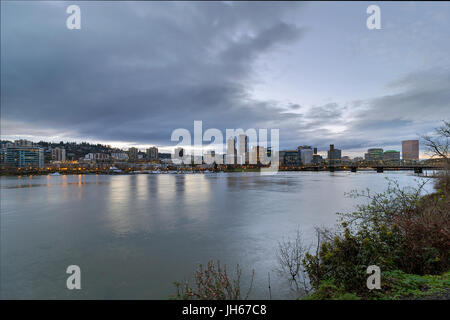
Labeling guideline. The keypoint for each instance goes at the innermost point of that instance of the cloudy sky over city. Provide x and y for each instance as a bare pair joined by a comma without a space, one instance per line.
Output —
138,70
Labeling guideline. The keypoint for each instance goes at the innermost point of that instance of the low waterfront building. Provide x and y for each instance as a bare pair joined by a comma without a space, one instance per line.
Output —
96,156
152,154
391,155
24,155
290,158
374,154
306,155
120,156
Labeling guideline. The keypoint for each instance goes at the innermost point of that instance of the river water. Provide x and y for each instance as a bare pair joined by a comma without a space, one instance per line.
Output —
134,235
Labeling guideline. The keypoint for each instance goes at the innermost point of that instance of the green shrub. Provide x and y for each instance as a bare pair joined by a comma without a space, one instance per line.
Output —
399,285
328,290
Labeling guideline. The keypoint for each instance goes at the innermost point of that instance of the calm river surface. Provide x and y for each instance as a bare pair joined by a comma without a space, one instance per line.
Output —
133,235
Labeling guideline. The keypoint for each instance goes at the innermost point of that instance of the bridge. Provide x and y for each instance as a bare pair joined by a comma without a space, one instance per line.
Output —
417,168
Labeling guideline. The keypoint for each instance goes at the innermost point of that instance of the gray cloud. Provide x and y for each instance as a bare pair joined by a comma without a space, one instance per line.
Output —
421,100
137,71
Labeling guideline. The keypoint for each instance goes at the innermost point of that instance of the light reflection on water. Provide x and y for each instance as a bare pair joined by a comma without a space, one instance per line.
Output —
133,235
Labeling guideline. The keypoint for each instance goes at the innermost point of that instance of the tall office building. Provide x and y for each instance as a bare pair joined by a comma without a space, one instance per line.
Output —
257,155
334,154
231,151
59,154
306,155
410,150
152,153
242,149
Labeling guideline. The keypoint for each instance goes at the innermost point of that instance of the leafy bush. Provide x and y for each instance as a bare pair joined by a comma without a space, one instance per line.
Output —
328,290
399,285
396,285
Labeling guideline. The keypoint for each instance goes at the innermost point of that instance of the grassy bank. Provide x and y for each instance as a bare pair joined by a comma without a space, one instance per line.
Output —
395,285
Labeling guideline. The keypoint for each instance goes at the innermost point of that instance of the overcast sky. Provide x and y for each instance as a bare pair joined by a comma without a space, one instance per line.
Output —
138,70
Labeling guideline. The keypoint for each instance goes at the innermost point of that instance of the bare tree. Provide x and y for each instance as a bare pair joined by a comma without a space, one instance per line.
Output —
438,144
291,252
212,282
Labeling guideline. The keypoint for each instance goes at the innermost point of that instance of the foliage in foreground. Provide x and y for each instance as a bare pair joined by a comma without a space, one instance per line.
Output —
397,230
396,285
213,283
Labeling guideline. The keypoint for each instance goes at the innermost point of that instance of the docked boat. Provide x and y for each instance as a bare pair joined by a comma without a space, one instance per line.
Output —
114,170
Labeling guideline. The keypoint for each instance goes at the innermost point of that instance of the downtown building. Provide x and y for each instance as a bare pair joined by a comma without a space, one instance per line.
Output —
317,158
334,154
242,156
258,155
410,150
374,154
391,156
230,157
290,158
306,154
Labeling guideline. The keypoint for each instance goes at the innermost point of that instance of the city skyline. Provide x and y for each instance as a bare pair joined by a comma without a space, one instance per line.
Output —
318,75
230,154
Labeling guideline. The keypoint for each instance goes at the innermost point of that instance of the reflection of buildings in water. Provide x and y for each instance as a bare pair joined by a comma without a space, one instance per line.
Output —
196,189
119,204
141,185
80,185
166,188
